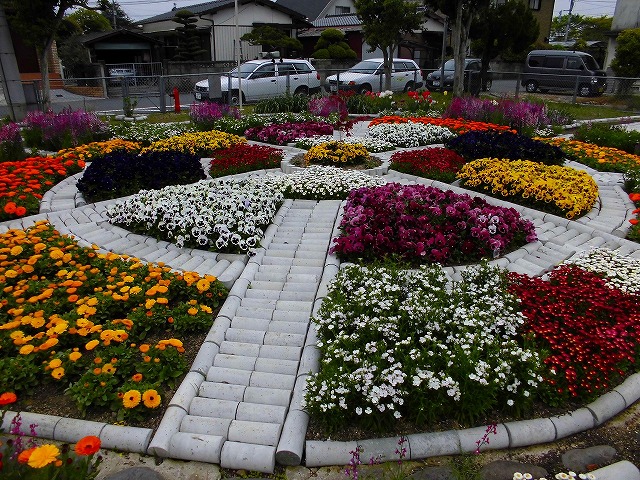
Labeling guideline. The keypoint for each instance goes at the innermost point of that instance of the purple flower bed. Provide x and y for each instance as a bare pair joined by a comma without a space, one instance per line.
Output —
55,131
282,133
204,115
422,224
11,143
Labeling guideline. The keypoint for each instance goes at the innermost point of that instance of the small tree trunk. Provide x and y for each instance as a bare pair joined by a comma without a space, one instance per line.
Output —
458,54
387,55
44,75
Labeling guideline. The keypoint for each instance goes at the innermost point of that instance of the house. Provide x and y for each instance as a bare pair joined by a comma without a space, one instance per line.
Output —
215,26
121,46
424,46
543,12
625,16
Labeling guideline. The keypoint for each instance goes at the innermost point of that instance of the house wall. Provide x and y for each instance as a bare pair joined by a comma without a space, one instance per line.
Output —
224,34
625,16
544,17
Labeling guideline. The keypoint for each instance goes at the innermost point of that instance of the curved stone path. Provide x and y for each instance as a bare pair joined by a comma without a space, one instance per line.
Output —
240,404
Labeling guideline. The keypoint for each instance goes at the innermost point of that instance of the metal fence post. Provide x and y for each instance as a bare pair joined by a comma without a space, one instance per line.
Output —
575,90
288,83
518,79
163,91
337,83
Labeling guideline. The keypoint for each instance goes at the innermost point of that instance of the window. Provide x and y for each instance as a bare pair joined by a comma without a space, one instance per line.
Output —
535,61
303,68
265,71
574,63
286,68
534,4
554,62
341,10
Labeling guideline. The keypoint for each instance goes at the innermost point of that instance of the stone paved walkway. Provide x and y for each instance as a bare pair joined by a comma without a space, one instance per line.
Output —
240,404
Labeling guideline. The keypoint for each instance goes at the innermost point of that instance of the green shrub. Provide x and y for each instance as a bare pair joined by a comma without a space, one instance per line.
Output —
284,103
605,135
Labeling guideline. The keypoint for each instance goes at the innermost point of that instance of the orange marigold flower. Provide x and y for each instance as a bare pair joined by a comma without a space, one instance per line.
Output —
57,373
43,456
92,344
151,398
144,348
131,399
73,356
633,221
87,445
137,377
8,397
25,454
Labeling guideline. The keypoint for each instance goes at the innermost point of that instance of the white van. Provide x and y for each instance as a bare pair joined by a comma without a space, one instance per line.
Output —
546,70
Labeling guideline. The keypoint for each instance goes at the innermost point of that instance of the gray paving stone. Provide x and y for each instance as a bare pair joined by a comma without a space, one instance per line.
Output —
290,316
272,380
196,447
251,323
231,273
72,429
245,336
530,432
291,445
299,328
280,352
272,365
46,423
607,406
262,294
246,310
206,425
310,360
213,407
217,333
573,422
222,391
617,471
297,295
161,442
260,412
239,288
299,306
300,287
204,358
254,432
468,438
269,396
630,389
321,453
128,439
297,398
267,285
282,338
187,390
239,362
247,456
229,375
239,348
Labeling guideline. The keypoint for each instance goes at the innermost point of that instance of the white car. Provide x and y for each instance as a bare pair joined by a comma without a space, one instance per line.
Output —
368,76
262,79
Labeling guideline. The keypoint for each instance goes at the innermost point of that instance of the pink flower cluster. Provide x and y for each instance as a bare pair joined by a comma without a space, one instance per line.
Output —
282,133
423,224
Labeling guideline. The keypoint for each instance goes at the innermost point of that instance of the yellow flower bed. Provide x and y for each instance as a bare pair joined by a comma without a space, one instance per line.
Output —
606,159
89,151
77,318
336,153
196,143
560,190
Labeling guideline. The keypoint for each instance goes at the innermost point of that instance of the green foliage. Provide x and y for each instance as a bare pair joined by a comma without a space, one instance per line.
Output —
331,44
111,8
272,39
465,467
188,39
284,103
606,135
89,21
581,28
627,60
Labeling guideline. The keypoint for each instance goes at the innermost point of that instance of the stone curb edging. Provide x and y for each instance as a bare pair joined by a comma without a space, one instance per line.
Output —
69,430
509,435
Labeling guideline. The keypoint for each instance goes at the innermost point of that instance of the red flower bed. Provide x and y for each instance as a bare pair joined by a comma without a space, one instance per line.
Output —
23,182
590,331
242,158
458,125
435,163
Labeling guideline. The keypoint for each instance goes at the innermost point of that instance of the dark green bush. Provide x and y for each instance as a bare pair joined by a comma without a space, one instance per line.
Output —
120,174
284,103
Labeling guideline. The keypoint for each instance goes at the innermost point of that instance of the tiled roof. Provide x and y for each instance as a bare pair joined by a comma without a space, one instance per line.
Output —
337,21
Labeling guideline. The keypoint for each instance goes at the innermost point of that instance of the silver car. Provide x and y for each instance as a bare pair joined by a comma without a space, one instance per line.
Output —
368,76
261,79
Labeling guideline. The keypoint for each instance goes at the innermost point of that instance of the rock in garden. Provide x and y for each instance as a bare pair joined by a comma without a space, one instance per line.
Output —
433,473
135,473
584,459
504,470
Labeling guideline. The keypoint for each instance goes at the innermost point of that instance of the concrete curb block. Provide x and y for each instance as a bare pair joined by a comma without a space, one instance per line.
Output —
171,420
291,446
248,456
618,471
128,439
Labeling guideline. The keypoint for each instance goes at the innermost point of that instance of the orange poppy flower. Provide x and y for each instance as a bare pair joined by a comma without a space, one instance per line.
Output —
8,397
88,445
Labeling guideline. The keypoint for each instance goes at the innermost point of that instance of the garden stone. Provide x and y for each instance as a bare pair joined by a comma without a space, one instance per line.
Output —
135,473
504,470
618,471
433,473
580,459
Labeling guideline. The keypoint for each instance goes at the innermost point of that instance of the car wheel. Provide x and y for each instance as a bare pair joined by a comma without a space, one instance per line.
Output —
487,85
301,91
584,90
235,98
409,87
531,86
364,89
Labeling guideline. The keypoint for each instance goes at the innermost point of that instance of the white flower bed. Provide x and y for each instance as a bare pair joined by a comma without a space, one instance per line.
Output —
619,271
409,134
397,343
222,215
321,182
148,132
371,144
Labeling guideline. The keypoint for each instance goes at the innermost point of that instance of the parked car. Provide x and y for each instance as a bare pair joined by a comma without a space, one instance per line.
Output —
564,70
265,78
472,81
368,76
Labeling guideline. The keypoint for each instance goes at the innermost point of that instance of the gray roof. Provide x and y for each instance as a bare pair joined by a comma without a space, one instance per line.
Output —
210,7
309,8
337,21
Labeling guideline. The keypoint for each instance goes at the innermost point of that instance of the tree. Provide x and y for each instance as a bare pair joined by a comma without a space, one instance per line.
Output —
384,22
331,44
272,39
38,21
188,39
500,28
72,53
626,63
462,12
581,28
86,21
114,13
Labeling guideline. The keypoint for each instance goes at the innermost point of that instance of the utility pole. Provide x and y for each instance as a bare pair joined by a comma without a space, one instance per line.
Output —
566,32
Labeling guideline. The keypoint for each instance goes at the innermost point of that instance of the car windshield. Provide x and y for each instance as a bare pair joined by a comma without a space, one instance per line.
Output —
245,70
365,67
590,62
